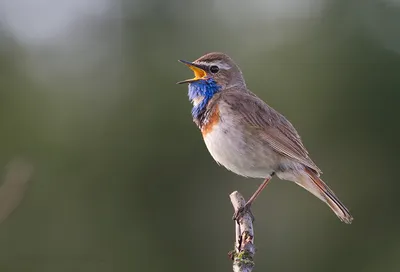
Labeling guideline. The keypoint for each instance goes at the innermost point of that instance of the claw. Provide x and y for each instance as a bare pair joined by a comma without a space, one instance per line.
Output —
242,211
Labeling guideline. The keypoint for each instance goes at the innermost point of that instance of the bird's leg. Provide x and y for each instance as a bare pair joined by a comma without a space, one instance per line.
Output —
246,208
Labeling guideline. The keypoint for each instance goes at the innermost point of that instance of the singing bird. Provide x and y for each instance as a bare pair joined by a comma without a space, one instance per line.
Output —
247,136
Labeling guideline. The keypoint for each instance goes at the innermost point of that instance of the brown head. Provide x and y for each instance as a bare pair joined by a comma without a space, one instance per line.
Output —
218,66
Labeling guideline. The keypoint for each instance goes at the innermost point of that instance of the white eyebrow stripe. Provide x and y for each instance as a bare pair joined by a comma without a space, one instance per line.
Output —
218,63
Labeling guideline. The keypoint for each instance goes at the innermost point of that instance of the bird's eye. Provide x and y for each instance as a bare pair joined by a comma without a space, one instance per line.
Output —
214,69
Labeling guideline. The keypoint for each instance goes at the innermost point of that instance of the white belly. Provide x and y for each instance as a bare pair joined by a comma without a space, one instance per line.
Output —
227,145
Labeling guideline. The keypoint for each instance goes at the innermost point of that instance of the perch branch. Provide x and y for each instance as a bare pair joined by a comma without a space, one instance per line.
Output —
244,251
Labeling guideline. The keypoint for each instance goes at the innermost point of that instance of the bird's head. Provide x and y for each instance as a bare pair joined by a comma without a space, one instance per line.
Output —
217,68
213,73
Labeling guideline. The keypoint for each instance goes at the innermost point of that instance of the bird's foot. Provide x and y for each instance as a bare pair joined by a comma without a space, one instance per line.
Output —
242,211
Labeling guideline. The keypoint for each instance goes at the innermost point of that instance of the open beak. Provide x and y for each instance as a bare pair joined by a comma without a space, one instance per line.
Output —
198,70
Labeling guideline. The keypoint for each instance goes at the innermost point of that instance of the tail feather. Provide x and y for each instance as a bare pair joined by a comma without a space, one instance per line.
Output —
317,187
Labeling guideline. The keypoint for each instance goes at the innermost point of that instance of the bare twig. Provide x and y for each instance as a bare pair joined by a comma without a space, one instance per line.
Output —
13,188
244,251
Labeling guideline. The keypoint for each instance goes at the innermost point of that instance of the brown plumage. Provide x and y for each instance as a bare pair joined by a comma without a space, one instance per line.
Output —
249,137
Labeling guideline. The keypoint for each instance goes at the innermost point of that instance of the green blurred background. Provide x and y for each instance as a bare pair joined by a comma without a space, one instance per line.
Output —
122,179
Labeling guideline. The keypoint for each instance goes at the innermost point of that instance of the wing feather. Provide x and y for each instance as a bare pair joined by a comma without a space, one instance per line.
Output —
277,131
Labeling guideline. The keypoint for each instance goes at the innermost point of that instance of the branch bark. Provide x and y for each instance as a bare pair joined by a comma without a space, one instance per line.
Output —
244,251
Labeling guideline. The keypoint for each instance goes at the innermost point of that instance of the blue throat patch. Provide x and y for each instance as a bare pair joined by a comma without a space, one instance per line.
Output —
202,88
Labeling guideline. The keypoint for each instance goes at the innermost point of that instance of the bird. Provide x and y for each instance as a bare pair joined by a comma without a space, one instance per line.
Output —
247,136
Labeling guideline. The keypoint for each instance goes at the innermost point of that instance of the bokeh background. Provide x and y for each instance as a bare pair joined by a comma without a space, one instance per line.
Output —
122,180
